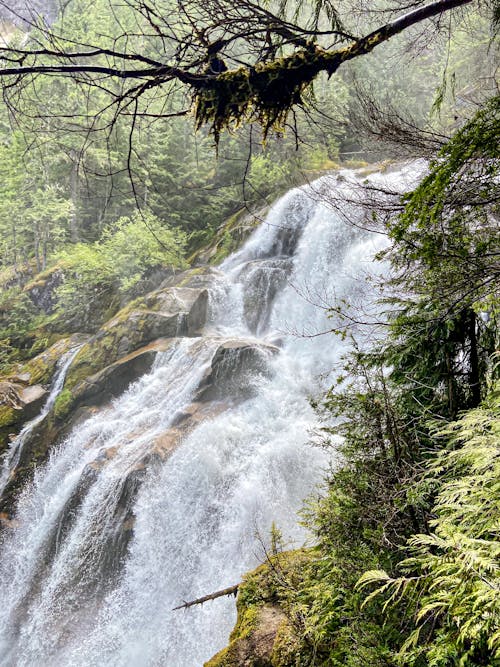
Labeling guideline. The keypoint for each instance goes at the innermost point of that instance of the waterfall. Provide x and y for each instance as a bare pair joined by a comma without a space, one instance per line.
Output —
133,513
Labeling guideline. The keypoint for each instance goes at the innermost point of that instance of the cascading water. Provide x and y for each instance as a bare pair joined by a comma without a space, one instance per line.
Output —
13,453
116,530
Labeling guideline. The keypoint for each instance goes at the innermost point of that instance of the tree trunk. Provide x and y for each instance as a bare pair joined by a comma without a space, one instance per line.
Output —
474,381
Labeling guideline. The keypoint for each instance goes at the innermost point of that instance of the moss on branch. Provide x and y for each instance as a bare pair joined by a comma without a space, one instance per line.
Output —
263,93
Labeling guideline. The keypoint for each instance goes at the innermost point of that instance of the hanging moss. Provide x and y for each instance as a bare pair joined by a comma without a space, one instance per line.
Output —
267,91
263,93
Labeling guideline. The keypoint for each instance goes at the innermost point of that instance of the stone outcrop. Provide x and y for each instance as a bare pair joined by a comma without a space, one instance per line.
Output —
232,365
42,290
253,642
164,313
112,380
24,391
121,351
229,237
18,404
41,368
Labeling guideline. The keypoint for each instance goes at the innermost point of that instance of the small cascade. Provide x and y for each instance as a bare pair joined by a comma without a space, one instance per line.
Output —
168,492
13,454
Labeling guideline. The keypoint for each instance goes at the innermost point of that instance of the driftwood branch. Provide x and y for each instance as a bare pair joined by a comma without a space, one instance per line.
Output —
231,590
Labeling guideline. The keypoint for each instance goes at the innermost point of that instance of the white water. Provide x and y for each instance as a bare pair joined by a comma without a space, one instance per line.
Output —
74,591
12,455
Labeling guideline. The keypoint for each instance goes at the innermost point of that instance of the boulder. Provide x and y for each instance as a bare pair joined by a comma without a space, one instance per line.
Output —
233,364
33,398
115,378
164,313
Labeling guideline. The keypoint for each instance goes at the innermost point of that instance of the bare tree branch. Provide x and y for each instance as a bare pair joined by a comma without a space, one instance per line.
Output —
231,590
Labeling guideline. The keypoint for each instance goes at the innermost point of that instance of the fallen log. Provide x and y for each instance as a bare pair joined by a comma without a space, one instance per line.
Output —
231,590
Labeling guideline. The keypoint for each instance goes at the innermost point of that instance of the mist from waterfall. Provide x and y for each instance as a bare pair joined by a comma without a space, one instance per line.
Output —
112,535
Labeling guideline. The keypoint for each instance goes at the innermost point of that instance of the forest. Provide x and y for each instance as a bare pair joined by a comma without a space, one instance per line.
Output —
143,147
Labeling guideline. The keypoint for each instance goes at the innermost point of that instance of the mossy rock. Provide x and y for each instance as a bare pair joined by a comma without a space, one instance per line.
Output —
8,416
252,640
164,313
229,237
63,403
42,367
18,404
109,382
263,635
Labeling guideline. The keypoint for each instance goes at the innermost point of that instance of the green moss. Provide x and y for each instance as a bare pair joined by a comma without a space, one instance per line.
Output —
286,646
63,404
8,415
41,278
245,625
219,660
267,587
101,350
264,93
42,367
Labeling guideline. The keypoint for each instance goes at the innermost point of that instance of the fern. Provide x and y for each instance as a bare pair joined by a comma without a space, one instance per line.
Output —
454,572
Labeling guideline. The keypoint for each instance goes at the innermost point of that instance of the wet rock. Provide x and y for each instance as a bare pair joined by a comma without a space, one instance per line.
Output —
229,237
188,302
232,367
18,404
41,368
166,313
263,280
115,378
184,423
33,398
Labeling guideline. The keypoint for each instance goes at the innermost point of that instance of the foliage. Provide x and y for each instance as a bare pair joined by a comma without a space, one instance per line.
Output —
133,246
127,252
453,572
450,227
